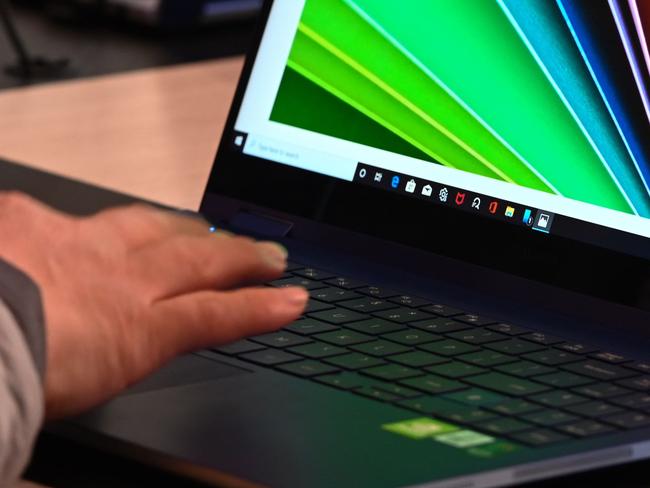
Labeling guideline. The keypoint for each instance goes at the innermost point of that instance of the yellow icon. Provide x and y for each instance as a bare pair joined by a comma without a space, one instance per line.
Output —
510,211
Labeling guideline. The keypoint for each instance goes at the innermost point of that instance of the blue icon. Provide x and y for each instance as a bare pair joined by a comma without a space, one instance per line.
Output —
527,218
395,182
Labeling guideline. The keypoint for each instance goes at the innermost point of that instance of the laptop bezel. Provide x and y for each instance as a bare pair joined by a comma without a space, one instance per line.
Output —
295,193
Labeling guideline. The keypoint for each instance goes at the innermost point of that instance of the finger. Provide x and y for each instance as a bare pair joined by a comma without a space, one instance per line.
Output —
141,224
186,264
203,319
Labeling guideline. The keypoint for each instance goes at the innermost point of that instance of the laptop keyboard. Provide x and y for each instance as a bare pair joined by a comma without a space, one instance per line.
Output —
497,378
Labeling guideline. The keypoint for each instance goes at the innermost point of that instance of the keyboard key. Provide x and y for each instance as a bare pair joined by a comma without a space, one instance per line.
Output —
281,339
509,385
525,369
354,361
442,310
586,428
270,357
448,347
344,338
549,417
239,347
477,336
418,359
297,281
345,283
375,326
338,316
594,409
372,392
563,379
609,357
392,372
515,407
514,346
411,337
367,305
435,406
455,369
400,391
291,267
487,359
640,401
433,384
313,274
476,397
558,398
333,295
344,381
504,426
641,367
539,438
380,348
377,292
629,420
509,329
403,315
577,348
602,390
316,306
409,301
640,383
552,357
318,350
474,319
541,338
310,326
440,325
447,409
468,415
308,368
599,370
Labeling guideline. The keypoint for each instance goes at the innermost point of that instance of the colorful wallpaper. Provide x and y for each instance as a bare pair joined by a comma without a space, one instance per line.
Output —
547,94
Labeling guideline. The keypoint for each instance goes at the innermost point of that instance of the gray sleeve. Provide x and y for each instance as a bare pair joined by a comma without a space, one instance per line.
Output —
22,366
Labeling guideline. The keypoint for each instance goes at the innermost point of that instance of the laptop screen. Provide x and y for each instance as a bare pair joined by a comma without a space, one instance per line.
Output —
533,112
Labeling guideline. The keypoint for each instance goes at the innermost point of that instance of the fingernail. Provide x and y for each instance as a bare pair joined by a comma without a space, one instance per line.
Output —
296,296
275,254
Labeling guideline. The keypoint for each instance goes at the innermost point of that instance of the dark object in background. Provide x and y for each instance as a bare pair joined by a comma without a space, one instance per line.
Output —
166,14
27,67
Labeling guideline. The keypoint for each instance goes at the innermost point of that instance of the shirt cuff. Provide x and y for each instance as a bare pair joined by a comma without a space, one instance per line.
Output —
23,299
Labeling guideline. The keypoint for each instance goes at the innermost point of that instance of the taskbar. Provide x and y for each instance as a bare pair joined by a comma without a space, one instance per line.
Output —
453,197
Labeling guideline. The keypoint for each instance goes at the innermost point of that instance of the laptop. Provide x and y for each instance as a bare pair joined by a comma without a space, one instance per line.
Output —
463,188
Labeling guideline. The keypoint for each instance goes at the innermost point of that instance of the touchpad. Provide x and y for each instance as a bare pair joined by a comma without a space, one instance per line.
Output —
184,371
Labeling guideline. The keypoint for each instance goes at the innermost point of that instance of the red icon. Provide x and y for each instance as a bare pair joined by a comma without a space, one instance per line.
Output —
494,206
460,198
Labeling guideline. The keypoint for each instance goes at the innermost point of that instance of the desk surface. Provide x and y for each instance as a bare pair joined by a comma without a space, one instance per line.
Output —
152,133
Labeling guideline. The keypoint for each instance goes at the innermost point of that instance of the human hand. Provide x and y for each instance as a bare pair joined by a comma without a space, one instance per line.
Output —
128,289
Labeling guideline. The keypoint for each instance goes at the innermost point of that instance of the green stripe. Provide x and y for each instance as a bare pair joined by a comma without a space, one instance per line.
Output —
474,50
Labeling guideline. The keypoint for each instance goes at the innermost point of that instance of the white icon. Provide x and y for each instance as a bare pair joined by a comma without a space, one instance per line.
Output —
542,223
410,186
476,203
362,173
427,191
444,194
239,140
378,177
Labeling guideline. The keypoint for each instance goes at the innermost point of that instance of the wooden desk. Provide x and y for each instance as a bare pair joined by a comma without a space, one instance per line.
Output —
152,133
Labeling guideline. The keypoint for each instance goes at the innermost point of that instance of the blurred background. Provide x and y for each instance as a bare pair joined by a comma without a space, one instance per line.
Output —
47,40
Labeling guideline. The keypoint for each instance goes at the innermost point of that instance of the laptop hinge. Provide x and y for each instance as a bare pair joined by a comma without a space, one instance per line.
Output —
260,224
